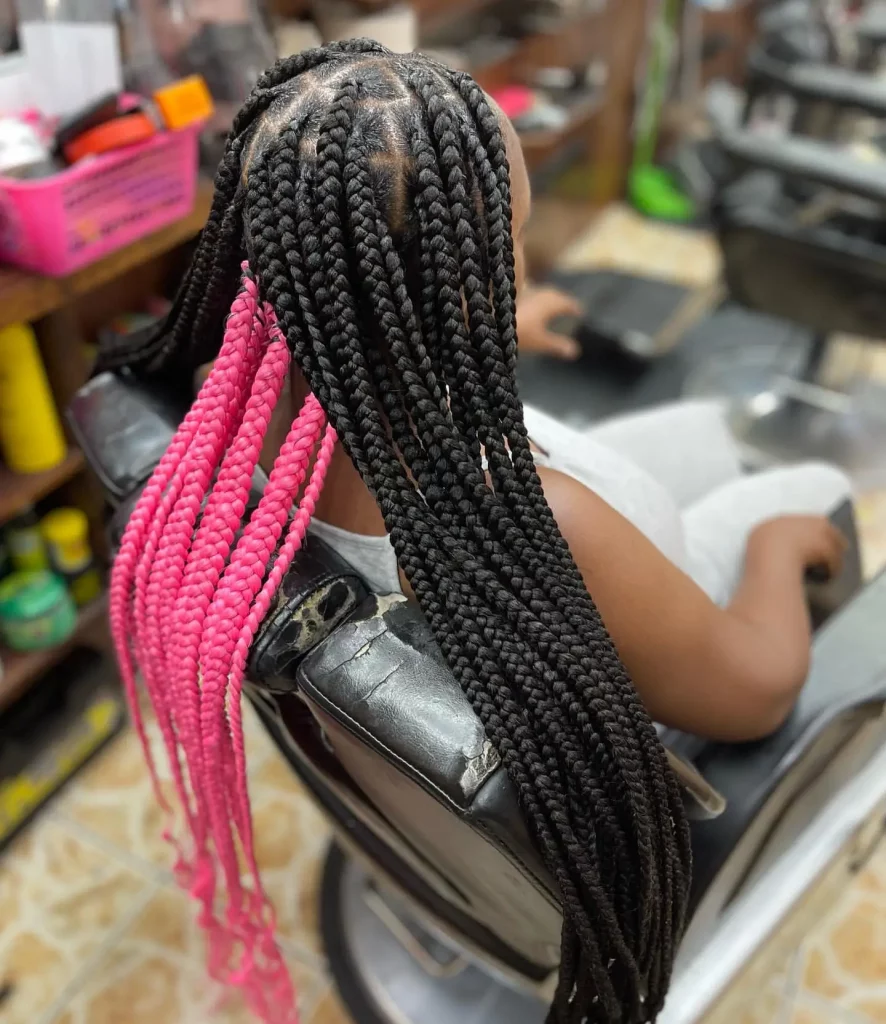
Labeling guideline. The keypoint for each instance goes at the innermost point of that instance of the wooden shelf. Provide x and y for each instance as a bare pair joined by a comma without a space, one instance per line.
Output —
18,490
21,670
572,42
434,15
28,297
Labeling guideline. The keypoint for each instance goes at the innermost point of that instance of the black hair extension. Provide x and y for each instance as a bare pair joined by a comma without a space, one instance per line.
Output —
371,193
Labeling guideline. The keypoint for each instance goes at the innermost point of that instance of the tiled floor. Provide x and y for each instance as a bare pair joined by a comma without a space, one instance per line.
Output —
93,930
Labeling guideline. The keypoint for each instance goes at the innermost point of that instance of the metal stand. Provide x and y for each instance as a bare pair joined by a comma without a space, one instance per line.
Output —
790,417
389,969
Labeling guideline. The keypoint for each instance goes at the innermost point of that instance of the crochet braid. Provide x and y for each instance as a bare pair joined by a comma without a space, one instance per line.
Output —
375,195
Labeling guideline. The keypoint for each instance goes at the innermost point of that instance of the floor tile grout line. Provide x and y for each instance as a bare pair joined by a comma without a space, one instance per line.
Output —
792,987
93,962
165,880
144,868
847,1016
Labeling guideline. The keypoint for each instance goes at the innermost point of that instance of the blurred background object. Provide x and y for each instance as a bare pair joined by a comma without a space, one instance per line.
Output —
227,44
75,45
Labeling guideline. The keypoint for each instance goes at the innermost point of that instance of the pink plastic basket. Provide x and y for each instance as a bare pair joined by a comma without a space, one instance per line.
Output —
56,225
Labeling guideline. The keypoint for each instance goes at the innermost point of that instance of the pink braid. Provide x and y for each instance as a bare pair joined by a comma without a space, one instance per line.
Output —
188,619
215,406
213,650
263,975
244,338
220,520
286,479
123,574
205,562
239,589
260,979
219,763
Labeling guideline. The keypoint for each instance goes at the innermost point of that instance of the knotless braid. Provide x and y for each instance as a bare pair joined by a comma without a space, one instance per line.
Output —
371,195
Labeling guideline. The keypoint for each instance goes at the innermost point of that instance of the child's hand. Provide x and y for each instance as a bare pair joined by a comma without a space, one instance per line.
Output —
536,309
808,541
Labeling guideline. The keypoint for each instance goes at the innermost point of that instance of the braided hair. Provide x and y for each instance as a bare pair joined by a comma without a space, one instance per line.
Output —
370,195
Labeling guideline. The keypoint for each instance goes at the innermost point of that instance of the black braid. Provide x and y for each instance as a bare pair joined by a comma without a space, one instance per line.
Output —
375,192
211,281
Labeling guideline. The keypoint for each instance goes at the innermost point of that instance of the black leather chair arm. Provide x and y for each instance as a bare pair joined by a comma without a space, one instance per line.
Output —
804,159
846,688
124,429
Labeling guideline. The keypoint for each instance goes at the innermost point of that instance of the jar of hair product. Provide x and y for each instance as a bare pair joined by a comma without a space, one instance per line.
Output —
66,533
36,611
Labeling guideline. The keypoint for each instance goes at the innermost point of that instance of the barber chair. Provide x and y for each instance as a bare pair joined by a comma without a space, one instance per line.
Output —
435,905
870,31
822,93
803,238
807,74
816,55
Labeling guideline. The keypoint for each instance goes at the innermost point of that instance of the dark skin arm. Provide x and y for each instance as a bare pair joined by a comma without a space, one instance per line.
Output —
729,674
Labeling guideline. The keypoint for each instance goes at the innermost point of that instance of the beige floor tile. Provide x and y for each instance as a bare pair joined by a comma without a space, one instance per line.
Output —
871,514
60,898
844,960
808,1011
156,974
757,1007
331,1011
113,798
621,239
761,996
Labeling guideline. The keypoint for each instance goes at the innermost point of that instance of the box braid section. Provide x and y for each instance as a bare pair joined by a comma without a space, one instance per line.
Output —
188,592
371,195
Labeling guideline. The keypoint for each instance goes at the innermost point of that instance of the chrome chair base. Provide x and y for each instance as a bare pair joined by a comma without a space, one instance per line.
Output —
392,969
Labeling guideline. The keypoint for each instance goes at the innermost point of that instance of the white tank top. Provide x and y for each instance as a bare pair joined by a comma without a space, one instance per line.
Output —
621,483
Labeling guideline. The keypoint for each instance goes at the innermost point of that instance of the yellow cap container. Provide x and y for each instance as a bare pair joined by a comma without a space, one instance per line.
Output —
31,436
66,532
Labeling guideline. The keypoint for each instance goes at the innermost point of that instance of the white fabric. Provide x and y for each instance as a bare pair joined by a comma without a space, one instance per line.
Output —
717,527
661,439
674,473
620,482
372,557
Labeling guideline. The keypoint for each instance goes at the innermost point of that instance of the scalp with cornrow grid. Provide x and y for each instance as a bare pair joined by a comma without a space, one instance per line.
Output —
370,194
